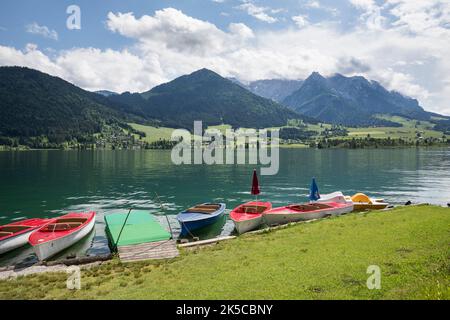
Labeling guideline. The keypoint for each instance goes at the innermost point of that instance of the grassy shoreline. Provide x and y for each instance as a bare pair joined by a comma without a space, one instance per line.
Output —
325,259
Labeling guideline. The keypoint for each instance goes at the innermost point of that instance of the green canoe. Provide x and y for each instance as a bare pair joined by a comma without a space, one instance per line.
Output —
141,227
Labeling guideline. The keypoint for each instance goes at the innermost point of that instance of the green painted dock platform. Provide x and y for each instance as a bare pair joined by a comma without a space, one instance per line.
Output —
142,237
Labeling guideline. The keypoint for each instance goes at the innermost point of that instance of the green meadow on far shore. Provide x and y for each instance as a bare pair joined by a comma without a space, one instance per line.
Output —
409,131
326,259
153,134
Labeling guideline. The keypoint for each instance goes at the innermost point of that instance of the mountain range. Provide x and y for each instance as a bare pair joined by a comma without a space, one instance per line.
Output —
106,93
205,95
274,89
33,103
351,101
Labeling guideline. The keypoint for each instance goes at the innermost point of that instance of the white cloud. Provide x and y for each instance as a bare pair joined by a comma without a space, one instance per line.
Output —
258,12
169,43
313,4
421,16
29,57
90,68
364,4
171,29
371,15
300,20
44,31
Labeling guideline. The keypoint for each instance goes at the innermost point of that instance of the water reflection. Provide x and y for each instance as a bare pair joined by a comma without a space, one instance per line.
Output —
50,183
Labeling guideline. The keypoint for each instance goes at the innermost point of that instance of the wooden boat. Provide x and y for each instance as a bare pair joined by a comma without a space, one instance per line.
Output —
60,233
16,234
364,202
199,216
249,216
306,211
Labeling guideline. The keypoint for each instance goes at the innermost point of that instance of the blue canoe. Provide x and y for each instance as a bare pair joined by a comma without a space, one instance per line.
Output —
199,216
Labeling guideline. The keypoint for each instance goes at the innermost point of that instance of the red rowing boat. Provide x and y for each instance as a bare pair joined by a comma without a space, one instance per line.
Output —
306,211
16,234
249,216
60,233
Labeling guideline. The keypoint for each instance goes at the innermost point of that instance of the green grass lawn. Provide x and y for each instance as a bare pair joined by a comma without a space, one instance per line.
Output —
325,259
294,145
223,127
152,133
319,127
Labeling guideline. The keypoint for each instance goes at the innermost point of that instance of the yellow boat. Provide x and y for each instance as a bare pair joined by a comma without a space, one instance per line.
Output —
364,202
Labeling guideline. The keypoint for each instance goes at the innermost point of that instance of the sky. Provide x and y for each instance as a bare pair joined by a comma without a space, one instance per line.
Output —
136,44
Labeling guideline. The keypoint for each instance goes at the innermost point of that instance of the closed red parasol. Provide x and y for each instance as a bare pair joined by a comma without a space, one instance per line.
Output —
255,184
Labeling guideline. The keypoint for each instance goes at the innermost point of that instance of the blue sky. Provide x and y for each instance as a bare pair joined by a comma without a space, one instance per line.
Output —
15,15
135,45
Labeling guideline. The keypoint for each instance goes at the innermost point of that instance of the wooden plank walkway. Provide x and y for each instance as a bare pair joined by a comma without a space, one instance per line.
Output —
205,242
166,249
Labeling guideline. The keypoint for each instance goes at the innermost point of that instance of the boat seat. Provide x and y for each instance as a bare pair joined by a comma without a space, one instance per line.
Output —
14,229
4,233
214,206
201,210
66,220
61,226
204,208
309,207
252,209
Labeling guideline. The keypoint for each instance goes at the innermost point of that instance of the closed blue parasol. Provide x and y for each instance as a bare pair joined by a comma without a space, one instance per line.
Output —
314,191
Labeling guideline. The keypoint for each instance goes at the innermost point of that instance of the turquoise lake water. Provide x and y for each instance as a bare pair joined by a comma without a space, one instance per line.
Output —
50,183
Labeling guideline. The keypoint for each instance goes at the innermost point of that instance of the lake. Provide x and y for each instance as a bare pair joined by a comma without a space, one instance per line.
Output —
49,183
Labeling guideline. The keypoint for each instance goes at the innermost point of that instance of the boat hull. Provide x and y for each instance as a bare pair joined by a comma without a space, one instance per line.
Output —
48,249
337,196
187,227
248,225
14,242
191,220
20,236
284,218
284,215
363,202
249,216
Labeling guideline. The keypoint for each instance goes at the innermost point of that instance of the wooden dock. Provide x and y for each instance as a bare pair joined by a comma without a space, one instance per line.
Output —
166,249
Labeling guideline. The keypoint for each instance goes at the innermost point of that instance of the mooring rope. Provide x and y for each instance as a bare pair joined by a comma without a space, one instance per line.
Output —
189,231
162,209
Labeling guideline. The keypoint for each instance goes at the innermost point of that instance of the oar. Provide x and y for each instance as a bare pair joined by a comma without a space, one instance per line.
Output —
120,233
